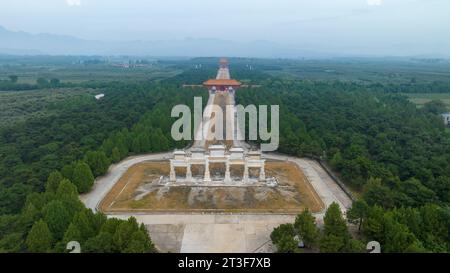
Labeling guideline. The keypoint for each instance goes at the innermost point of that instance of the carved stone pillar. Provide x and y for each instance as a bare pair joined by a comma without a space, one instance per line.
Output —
188,173
262,173
173,176
245,178
227,173
207,177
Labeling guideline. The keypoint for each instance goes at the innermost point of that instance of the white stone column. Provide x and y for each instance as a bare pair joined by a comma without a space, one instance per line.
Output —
227,172
188,173
207,177
262,173
245,178
173,177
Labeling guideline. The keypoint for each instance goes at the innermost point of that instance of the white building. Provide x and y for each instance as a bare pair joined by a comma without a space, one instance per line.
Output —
99,96
446,118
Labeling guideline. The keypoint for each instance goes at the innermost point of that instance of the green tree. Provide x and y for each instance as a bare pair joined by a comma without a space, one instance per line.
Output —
13,78
335,232
71,202
110,225
434,229
139,243
39,238
334,222
115,155
357,213
29,215
66,190
72,234
398,238
12,243
54,82
283,237
57,218
414,189
123,234
82,222
38,200
336,160
331,244
306,227
373,226
102,243
287,244
67,170
375,193
42,82
435,106
148,241
98,162
355,246
53,181
280,231
83,177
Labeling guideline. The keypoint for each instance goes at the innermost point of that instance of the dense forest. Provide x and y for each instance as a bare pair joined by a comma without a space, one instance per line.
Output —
392,154
45,162
394,157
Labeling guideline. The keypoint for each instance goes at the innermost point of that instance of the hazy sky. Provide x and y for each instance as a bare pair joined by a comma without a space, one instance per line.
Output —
372,26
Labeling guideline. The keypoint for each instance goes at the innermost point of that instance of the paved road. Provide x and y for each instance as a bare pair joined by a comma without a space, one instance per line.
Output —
323,184
191,232
186,233
105,183
216,232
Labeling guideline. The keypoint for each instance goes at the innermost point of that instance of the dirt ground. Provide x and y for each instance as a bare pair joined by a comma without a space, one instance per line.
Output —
138,190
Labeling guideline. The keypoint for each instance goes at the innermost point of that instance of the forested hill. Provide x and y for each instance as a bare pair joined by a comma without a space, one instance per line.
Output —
388,151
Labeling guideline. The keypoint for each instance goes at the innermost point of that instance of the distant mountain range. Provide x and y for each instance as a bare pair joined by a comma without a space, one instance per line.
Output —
23,43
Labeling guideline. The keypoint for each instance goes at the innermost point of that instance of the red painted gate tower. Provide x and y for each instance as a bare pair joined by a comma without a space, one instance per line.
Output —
223,82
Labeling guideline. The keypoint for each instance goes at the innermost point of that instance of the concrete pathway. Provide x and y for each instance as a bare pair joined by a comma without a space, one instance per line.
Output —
190,232
212,233
104,184
323,184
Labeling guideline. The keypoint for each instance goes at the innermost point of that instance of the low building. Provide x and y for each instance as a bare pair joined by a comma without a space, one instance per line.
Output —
446,117
99,96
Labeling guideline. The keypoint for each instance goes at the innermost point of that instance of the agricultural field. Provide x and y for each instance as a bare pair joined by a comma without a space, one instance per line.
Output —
18,106
83,69
362,71
421,98
358,70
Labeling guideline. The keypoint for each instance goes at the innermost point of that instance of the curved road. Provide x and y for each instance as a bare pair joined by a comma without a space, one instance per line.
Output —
193,232
219,232
104,184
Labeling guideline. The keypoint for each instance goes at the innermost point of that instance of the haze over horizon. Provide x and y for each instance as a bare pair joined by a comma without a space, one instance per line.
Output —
287,27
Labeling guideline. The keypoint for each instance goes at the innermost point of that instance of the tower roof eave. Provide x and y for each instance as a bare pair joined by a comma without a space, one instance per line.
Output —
222,82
